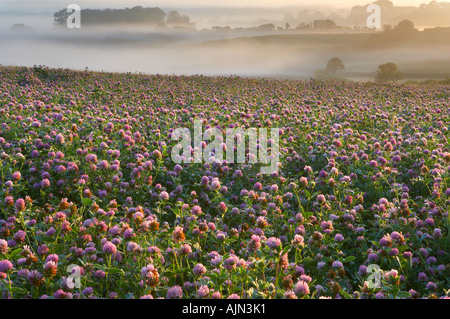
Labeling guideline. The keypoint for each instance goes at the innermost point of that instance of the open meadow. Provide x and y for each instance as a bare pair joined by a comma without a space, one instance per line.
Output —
94,206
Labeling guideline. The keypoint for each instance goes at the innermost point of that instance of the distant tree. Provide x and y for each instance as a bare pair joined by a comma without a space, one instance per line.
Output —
388,72
177,20
303,25
335,64
265,27
287,26
392,36
324,24
60,17
174,17
387,27
219,28
405,27
21,27
135,15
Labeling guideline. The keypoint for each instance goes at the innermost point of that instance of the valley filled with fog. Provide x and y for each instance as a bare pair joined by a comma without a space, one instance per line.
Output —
272,49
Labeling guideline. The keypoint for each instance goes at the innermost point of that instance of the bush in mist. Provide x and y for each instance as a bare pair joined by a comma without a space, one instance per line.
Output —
388,72
335,64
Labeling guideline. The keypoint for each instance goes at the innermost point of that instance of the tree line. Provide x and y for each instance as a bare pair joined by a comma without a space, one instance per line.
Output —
135,15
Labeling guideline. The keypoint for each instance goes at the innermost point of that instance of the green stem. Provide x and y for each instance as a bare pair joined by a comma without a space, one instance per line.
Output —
10,286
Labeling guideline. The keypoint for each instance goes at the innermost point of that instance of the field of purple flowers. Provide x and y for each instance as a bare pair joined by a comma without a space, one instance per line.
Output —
358,209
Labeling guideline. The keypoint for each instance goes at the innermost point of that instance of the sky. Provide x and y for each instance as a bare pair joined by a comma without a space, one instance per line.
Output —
27,5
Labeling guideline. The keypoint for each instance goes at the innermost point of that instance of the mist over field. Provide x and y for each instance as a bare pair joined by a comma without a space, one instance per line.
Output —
224,41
